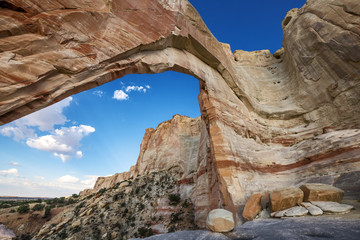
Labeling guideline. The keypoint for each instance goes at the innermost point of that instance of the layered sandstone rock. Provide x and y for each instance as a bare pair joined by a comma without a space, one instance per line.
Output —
267,121
173,147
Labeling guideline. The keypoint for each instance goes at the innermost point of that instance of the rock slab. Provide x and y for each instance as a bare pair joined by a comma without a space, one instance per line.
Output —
333,207
285,198
220,220
252,206
296,211
321,192
313,210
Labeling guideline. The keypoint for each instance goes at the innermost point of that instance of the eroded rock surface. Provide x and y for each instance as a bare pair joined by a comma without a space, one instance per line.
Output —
290,118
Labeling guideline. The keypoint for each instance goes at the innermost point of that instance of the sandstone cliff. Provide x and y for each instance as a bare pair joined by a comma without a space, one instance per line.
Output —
267,120
173,147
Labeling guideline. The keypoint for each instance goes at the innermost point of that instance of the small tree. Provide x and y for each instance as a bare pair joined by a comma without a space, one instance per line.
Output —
47,211
23,208
38,207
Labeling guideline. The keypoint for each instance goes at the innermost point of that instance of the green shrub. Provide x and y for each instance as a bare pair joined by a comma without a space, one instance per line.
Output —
38,207
174,199
145,232
74,196
23,208
47,212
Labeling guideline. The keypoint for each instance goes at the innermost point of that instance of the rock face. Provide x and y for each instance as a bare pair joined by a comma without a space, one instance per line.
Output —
285,198
220,220
321,192
291,118
173,146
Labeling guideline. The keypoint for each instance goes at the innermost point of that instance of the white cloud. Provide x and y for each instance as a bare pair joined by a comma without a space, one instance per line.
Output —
120,95
11,171
68,179
64,143
90,181
44,119
147,86
16,132
135,88
39,177
14,163
98,93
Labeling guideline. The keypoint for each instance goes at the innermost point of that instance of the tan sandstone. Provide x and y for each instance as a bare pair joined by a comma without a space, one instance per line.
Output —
285,198
252,206
321,192
220,220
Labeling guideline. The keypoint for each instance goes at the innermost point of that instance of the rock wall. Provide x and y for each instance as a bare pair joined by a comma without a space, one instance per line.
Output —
268,120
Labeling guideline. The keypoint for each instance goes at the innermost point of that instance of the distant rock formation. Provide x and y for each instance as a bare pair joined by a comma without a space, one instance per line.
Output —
267,121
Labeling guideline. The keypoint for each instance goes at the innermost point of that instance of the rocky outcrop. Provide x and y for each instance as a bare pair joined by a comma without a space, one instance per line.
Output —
173,147
6,234
268,121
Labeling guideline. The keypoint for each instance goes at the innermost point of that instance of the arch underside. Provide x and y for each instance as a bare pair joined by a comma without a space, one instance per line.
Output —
268,122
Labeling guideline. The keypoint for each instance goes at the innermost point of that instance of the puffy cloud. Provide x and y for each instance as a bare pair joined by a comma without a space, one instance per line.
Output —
98,93
16,132
68,179
136,88
64,143
120,95
11,171
147,86
44,119
90,180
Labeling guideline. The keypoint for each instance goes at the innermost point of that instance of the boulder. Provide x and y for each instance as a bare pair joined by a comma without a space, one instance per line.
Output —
285,198
5,233
313,210
321,192
252,207
265,200
296,211
220,220
333,207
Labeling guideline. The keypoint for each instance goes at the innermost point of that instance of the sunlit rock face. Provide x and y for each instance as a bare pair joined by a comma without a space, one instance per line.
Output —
268,121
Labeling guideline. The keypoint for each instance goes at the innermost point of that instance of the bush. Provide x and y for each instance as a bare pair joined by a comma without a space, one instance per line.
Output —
74,196
47,212
174,199
23,208
145,232
38,207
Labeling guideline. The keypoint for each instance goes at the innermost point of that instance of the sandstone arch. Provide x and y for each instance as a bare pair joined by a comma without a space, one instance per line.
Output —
268,120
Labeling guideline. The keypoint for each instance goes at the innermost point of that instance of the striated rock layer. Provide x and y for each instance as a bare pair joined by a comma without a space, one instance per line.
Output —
268,121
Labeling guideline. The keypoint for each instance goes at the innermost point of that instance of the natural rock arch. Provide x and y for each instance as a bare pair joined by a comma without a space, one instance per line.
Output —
260,112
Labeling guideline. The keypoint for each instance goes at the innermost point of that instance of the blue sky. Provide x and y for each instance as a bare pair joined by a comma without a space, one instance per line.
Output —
62,149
